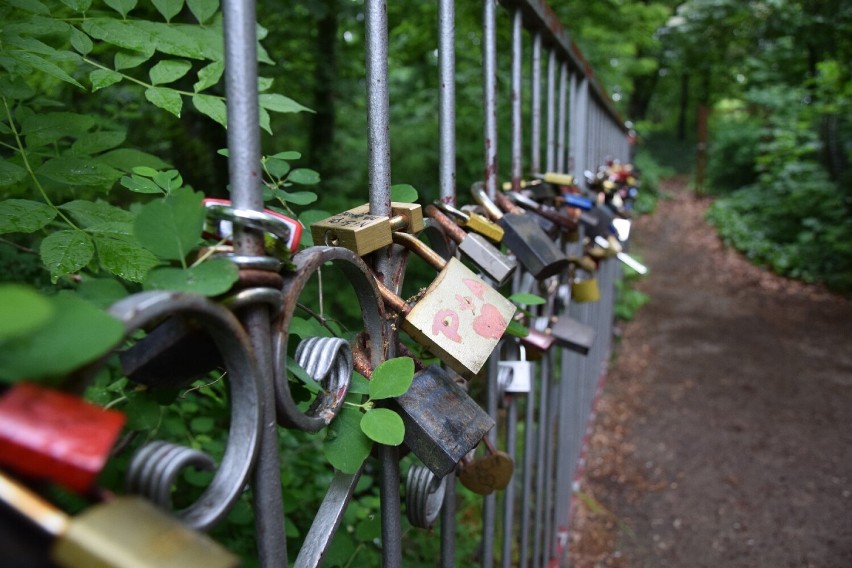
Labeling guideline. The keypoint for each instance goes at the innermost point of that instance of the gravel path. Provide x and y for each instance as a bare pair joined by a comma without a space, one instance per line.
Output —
724,435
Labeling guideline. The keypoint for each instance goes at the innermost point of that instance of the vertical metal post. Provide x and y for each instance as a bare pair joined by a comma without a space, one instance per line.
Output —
447,100
535,129
489,86
517,119
379,172
562,118
572,130
489,503
581,115
550,159
509,493
245,179
526,491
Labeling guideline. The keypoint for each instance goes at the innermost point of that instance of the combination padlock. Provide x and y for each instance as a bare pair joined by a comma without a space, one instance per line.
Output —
442,422
459,318
517,375
51,435
363,233
483,254
126,532
488,473
535,250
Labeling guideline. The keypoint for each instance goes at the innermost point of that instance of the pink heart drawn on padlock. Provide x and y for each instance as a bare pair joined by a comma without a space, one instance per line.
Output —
475,286
490,323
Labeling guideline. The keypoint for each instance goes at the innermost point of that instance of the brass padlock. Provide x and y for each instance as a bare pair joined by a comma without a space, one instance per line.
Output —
459,319
442,422
363,233
585,290
488,473
473,221
127,532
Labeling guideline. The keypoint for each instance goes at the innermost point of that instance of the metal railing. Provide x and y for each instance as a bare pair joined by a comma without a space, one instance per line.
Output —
543,430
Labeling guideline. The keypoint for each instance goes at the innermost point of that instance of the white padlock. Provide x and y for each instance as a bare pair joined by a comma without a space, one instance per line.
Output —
516,376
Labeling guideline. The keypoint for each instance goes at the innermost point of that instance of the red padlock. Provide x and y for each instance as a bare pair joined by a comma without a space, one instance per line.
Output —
47,434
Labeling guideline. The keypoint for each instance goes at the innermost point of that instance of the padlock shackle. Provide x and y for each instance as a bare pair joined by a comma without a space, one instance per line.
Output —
419,248
393,301
563,221
481,197
42,513
451,210
448,225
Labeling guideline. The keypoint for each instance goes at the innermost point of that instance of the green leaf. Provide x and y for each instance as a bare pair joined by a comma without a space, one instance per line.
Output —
392,378
124,257
526,299
210,278
130,59
33,6
125,159
140,184
48,127
209,75
123,7
101,78
290,156
65,252
22,310
383,426
305,328
404,193
92,213
11,173
80,41
359,384
516,329
346,446
142,410
182,40
168,180
24,216
171,226
214,107
78,5
296,197
76,171
303,176
168,8
122,34
102,292
168,70
167,99
61,337
96,142
145,171
277,168
264,83
263,120
279,103
202,9
303,376
45,66
15,88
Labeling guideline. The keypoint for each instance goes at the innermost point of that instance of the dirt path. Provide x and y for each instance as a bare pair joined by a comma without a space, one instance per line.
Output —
724,435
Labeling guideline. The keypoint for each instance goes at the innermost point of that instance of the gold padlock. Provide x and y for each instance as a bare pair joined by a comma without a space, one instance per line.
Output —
363,233
460,318
585,290
488,473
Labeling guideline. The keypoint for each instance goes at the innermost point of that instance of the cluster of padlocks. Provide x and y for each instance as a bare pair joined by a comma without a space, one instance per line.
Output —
461,318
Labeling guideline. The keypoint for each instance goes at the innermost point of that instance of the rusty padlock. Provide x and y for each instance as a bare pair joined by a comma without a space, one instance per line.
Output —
363,233
459,319
47,434
488,473
442,422
535,250
483,254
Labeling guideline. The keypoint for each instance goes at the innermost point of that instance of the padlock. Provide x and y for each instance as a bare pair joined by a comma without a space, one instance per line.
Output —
283,233
520,373
537,342
459,319
556,178
613,245
564,222
586,290
535,188
567,332
442,422
127,532
47,434
483,254
533,248
424,496
488,473
472,221
363,233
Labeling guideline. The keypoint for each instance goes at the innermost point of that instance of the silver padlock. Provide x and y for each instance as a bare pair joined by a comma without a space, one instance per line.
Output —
424,496
517,374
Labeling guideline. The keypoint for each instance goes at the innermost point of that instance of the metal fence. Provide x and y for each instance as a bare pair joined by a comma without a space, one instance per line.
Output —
573,127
